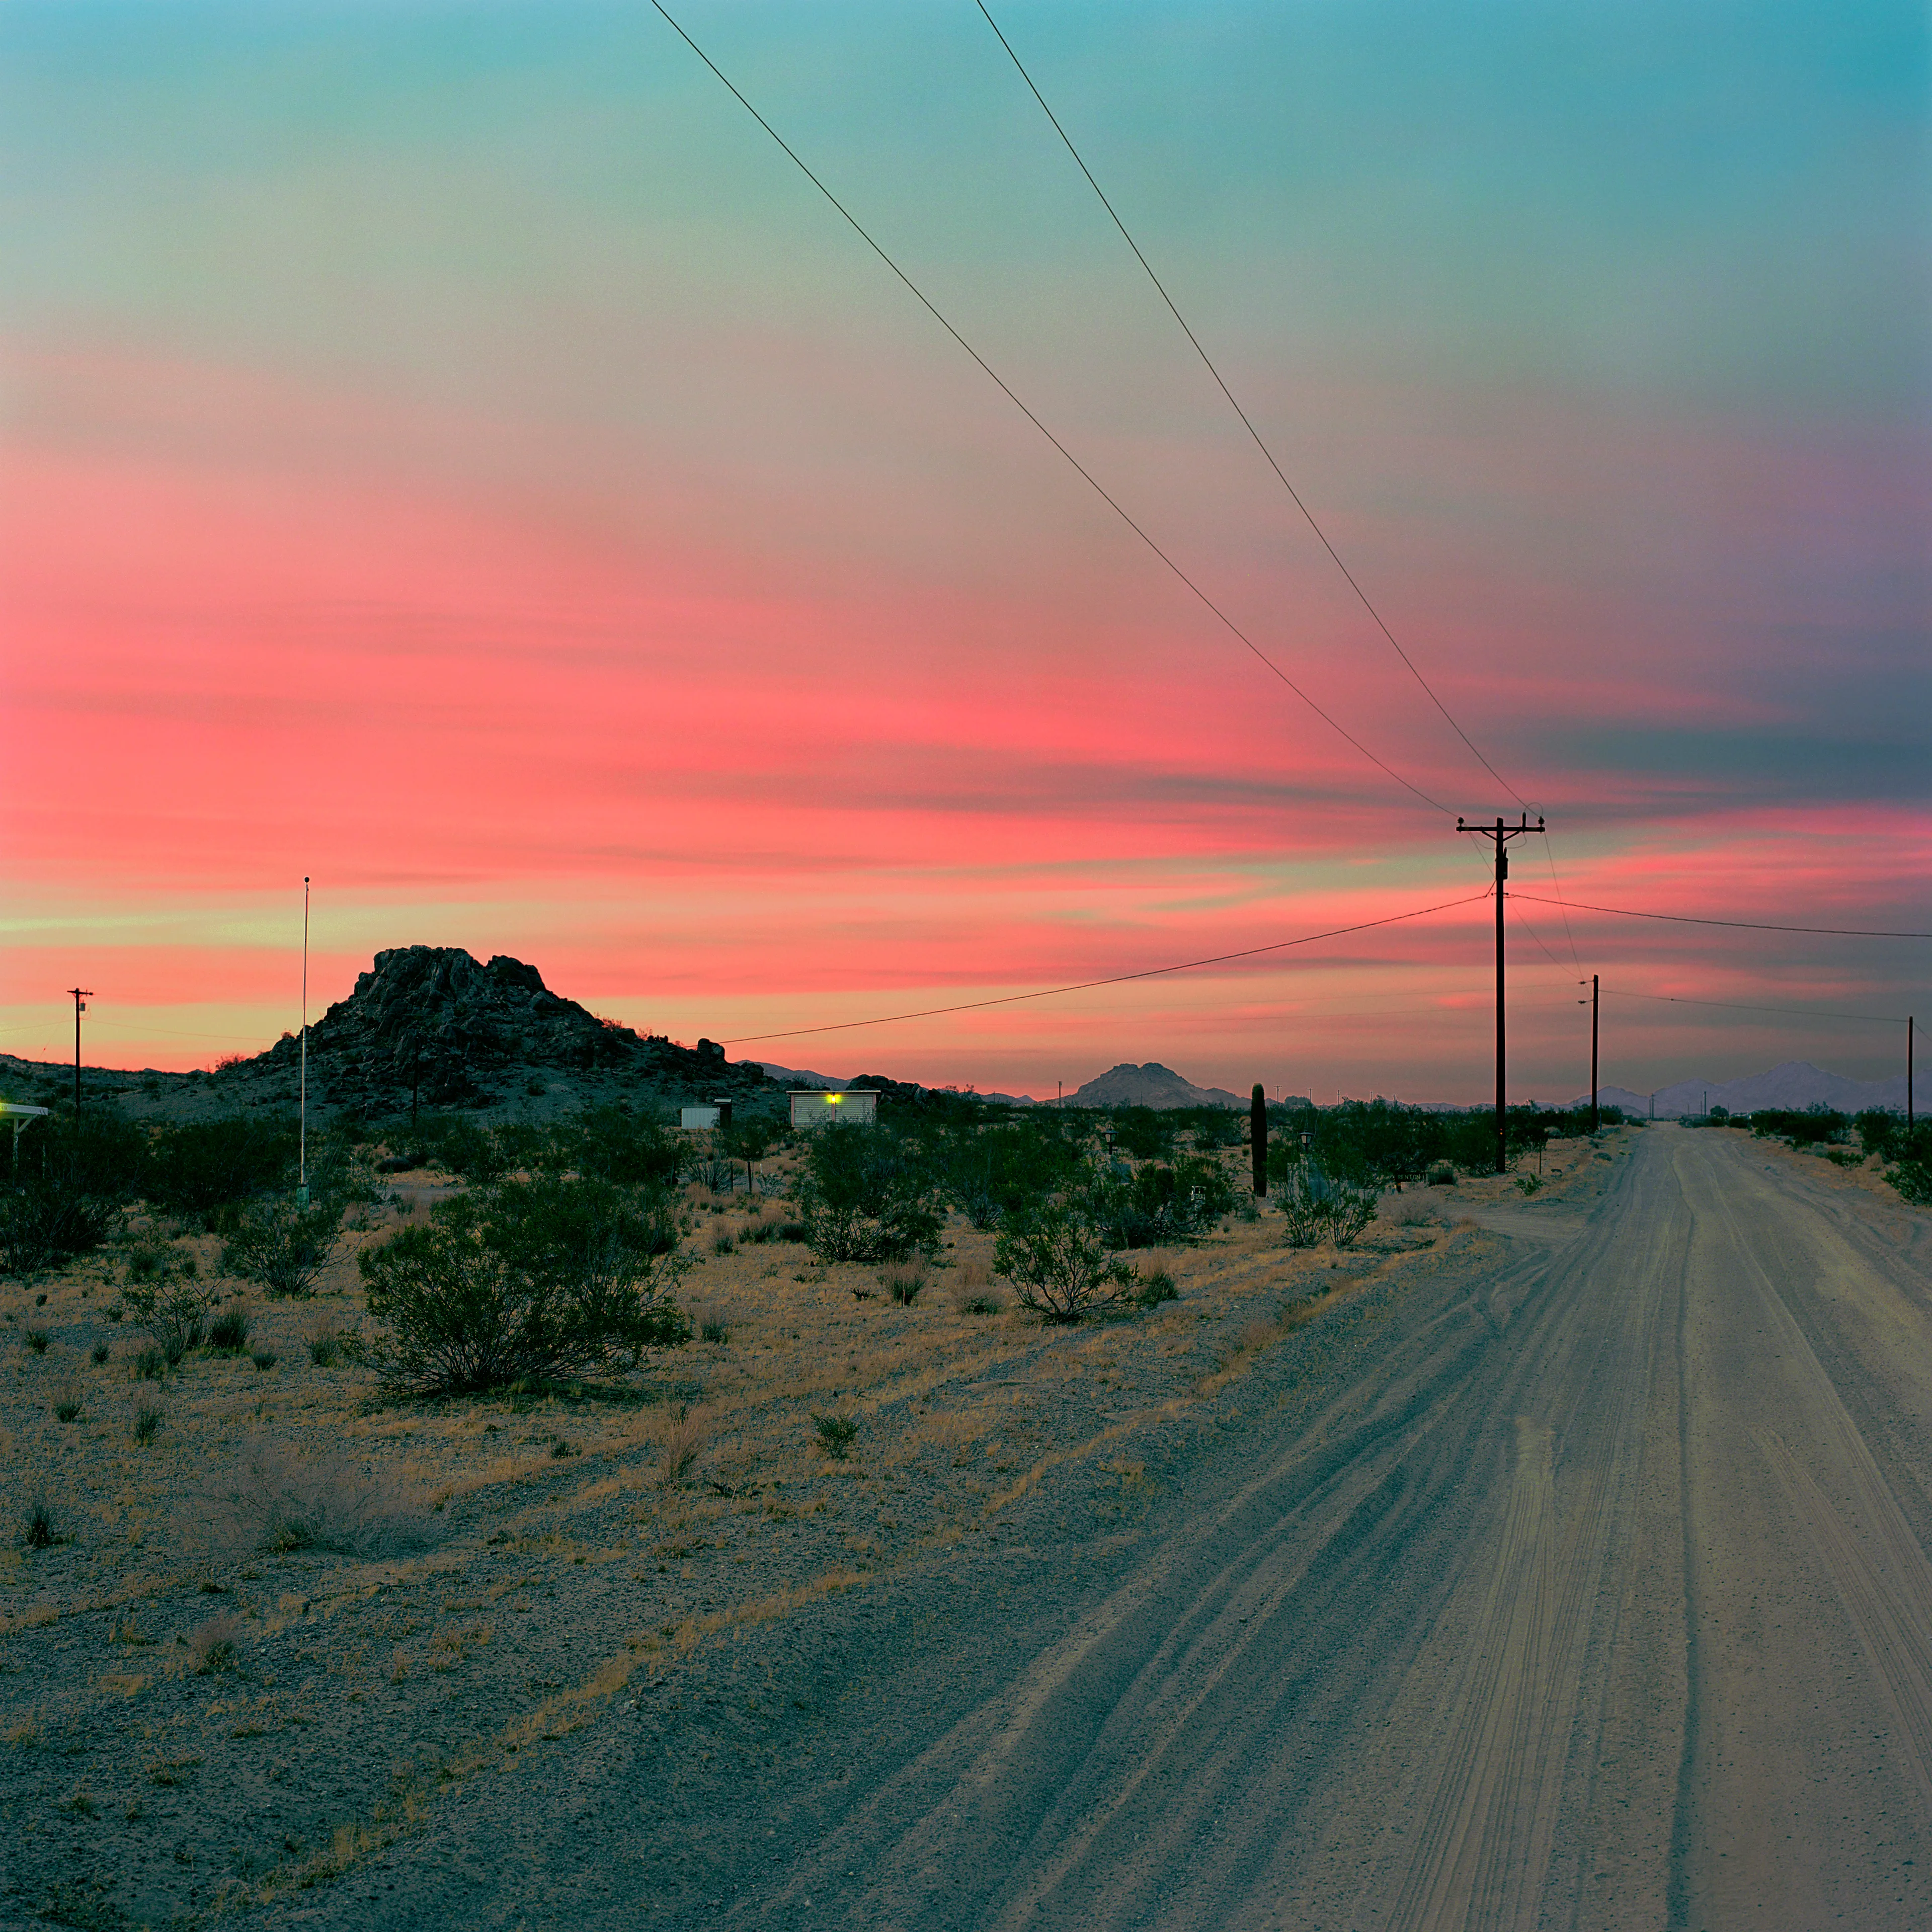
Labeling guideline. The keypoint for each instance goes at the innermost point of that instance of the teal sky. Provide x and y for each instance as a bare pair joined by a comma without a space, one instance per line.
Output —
489,360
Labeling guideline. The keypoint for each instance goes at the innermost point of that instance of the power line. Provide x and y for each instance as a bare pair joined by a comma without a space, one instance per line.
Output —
1738,925
1734,1005
1116,979
1085,474
1207,362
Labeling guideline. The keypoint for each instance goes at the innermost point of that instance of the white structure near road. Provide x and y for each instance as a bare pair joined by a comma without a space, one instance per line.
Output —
814,1107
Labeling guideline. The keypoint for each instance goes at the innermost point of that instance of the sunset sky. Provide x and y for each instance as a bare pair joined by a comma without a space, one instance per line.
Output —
449,451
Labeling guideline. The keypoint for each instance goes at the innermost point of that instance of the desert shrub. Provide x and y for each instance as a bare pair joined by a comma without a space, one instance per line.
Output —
67,1404
40,1529
325,1345
1211,1127
1351,1211
1158,1204
1913,1179
264,1359
625,1149
148,1417
35,1339
282,1246
723,1241
276,1502
1142,1132
99,1353
1810,1128
1528,1183
194,1168
761,1229
1060,1258
836,1433
527,1279
460,1146
174,1311
711,1324
1304,1222
903,1281
45,1223
1155,1287
990,1170
1879,1129
794,1231
228,1331
148,1363
865,1197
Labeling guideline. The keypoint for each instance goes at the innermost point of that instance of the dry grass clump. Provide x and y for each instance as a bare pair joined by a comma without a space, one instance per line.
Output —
99,1354
149,1416
903,1280
723,1241
974,1292
683,1435
41,1529
710,1323
214,1646
275,1501
37,1339
1409,1211
325,1344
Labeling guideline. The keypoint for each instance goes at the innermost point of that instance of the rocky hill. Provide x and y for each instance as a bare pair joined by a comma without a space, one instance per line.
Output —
433,1027
1151,1085
435,1024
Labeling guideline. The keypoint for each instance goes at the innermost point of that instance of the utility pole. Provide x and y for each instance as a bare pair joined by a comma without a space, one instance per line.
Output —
82,994
1593,1053
1258,1138
1910,1024
1500,834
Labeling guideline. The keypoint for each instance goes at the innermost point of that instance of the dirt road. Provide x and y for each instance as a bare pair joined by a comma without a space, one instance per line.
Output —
1604,1602
1594,1594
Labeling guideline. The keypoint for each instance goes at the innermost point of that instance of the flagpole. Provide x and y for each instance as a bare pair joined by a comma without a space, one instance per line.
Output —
301,1130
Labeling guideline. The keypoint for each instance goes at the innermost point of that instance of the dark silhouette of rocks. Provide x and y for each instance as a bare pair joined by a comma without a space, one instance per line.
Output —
435,1024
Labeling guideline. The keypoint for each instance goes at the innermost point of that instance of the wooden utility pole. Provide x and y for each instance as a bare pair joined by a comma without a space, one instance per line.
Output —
1910,1024
82,994
1500,834
1258,1138
1593,1053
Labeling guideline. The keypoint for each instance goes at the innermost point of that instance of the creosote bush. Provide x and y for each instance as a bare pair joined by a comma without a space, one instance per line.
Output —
836,1434
1061,1261
283,1248
526,1279
865,1197
173,1309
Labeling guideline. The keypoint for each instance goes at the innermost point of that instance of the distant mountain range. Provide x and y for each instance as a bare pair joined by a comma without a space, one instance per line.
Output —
1126,1085
1796,1084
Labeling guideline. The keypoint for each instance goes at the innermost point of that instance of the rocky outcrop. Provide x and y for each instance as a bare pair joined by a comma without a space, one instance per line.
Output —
435,1020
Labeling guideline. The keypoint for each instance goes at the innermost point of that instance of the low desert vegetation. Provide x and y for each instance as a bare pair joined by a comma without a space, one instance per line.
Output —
523,1281
1061,1262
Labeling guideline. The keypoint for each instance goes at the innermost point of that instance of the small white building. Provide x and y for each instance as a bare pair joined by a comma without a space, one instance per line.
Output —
718,1114
815,1106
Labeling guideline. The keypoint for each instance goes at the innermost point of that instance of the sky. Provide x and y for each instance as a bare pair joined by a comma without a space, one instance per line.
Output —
451,453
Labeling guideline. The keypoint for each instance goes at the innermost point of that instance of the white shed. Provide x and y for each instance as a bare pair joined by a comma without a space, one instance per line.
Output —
697,1117
813,1106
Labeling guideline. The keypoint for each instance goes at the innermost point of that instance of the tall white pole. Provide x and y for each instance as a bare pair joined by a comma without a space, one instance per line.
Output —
301,1129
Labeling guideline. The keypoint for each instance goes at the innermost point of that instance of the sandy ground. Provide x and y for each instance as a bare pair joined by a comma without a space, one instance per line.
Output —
1562,1566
